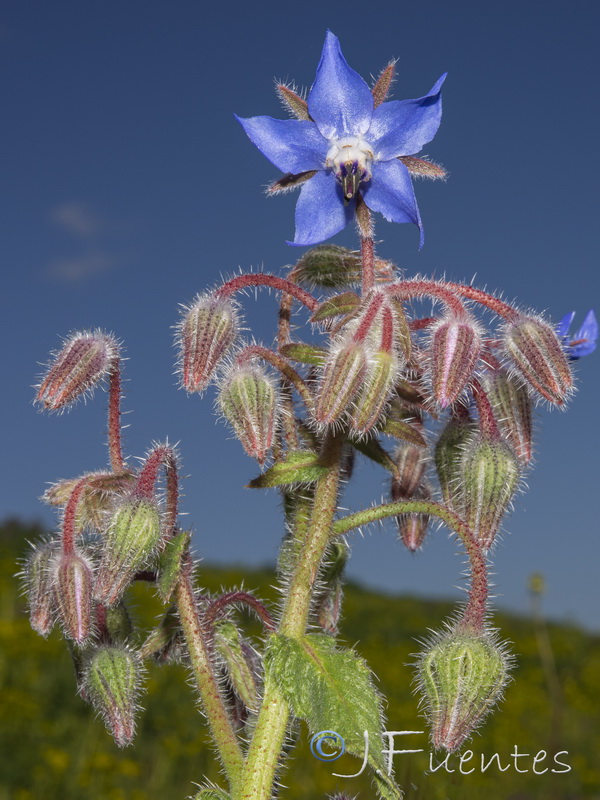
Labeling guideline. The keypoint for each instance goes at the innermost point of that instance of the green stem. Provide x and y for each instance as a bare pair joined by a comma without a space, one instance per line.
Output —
269,734
218,719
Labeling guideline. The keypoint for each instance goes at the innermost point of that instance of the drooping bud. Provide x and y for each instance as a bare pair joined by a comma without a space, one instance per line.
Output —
73,590
459,430
118,623
206,332
536,352
84,360
38,575
341,380
462,677
412,528
111,684
409,483
240,663
328,601
165,643
376,387
488,477
248,400
454,350
131,539
511,403
98,496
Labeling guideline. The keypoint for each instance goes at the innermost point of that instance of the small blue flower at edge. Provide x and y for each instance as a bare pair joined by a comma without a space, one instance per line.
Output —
583,342
349,143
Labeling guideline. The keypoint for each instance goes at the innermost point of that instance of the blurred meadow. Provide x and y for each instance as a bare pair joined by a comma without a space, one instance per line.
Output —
53,747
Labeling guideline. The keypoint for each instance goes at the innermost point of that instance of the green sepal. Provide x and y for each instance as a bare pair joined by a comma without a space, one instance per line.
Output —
404,431
170,564
212,793
304,353
371,448
299,466
345,303
229,645
332,689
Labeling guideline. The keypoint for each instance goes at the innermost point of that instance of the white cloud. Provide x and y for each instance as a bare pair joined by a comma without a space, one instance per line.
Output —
74,270
77,219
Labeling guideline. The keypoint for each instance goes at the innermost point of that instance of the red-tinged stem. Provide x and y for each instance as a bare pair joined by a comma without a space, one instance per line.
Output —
114,419
368,318
406,290
262,279
387,330
70,516
487,420
283,337
497,306
367,252
161,456
475,611
233,598
422,323
277,361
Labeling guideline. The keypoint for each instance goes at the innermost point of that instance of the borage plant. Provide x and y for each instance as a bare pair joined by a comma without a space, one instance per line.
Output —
373,383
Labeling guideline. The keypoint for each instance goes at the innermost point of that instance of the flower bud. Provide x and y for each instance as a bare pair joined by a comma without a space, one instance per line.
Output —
342,376
38,575
375,389
412,528
537,354
208,328
84,360
454,350
410,461
73,590
461,676
331,267
488,477
132,537
97,498
512,408
248,400
118,623
448,453
111,684
328,601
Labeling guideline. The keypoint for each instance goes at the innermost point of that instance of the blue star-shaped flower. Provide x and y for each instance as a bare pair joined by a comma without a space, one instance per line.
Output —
583,342
348,145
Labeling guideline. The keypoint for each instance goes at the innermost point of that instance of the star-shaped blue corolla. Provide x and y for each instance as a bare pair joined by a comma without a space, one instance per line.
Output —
351,145
584,341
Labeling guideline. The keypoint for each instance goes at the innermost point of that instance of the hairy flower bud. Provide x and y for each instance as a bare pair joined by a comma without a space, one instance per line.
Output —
206,332
132,537
118,623
73,590
342,376
512,408
38,576
97,498
328,601
375,389
111,684
248,400
536,352
84,360
448,453
454,350
409,484
488,477
331,267
412,527
461,677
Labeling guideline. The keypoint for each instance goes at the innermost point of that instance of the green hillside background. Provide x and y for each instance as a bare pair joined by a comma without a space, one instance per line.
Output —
52,747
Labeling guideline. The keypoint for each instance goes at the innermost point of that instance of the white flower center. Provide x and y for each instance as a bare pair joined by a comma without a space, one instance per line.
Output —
351,159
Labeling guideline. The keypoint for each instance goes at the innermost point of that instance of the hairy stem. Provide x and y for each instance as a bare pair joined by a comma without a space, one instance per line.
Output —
262,279
269,734
212,701
114,419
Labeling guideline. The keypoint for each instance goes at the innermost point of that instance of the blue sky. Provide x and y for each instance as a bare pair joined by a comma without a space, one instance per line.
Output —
128,187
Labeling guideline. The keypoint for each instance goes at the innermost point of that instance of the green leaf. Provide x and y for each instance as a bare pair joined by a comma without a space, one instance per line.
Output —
229,644
405,431
170,564
304,353
332,689
344,303
299,466
371,448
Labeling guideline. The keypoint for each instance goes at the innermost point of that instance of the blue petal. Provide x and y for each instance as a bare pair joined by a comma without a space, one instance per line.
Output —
390,191
587,336
562,329
320,210
340,102
292,145
403,127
